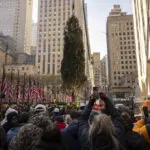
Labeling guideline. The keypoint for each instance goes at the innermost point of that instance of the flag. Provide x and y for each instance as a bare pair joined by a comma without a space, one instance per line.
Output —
24,87
37,91
11,92
4,84
29,88
32,89
18,93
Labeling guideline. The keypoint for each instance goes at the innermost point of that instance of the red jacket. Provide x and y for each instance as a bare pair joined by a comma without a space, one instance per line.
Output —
61,125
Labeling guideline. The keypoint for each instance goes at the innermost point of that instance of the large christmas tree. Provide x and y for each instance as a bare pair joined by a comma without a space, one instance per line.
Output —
73,63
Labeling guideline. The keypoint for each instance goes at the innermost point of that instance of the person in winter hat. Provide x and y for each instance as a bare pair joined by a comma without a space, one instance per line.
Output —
23,119
40,109
12,121
8,111
51,137
26,139
60,122
143,126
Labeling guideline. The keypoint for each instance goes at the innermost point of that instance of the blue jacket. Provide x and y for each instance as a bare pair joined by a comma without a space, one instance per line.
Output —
11,133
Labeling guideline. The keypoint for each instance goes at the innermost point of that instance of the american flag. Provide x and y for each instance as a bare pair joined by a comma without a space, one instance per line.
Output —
34,90
11,90
4,84
24,96
18,93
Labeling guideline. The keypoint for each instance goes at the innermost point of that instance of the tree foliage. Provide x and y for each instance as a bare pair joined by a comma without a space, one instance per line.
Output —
73,63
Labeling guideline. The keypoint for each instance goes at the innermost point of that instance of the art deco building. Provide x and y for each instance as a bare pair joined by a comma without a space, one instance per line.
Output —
52,18
96,68
122,65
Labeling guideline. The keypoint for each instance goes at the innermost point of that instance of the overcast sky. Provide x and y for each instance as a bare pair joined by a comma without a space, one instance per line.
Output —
98,11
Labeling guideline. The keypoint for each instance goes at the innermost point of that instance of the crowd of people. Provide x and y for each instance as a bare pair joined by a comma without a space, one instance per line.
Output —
85,128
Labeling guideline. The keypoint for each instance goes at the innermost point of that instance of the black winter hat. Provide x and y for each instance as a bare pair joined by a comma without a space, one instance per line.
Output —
11,116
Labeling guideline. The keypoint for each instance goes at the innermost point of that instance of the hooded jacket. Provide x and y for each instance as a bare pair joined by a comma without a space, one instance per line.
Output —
143,129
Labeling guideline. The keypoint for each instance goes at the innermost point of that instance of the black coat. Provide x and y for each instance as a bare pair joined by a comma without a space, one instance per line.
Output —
49,146
101,142
70,136
84,127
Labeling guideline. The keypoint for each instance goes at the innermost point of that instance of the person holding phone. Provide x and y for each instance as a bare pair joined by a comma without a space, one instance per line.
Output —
143,126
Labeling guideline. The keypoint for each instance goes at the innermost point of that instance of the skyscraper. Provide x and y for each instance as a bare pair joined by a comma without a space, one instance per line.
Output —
52,18
103,74
16,21
34,34
34,38
121,52
141,15
96,68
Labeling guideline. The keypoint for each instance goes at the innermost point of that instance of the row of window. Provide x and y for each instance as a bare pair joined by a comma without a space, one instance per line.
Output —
128,57
122,34
125,42
54,34
23,68
125,38
130,62
127,72
127,47
127,67
127,52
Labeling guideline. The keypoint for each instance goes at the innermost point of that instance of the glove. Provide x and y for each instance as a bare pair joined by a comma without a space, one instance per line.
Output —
93,98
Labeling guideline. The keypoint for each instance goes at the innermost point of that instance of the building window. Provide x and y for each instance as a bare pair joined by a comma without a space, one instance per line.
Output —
48,68
38,59
49,57
43,63
22,68
53,68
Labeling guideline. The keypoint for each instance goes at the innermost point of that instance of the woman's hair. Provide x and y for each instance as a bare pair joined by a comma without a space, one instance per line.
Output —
50,131
102,124
28,136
